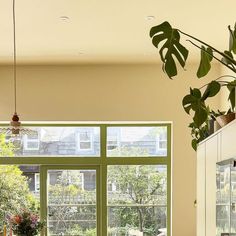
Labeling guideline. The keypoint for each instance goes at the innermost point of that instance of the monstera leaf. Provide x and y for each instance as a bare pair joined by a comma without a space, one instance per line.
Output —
212,89
232,39
171,48
194,102
231,87
205,63
228,54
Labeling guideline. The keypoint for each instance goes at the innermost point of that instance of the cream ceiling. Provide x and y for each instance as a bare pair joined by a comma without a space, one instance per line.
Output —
105,31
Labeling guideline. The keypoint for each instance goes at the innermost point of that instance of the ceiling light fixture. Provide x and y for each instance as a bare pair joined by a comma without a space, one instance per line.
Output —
64,18
150,18
15,124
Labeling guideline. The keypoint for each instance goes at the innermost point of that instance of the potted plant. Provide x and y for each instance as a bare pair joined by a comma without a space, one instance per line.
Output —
26,224
195,102
171,50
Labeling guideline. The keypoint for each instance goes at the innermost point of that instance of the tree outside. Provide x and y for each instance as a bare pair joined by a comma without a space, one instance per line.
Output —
14,190
138,199
71,205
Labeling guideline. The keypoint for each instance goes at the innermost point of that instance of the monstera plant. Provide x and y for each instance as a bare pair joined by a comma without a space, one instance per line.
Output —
173,54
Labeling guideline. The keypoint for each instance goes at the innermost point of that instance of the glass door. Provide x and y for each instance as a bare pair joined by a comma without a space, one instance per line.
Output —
223,198
71,197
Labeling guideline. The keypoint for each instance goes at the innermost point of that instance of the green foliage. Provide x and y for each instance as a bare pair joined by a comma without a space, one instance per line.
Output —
198,133
175,51
172,47
232,39
90,232
66,190
63,191
140,182
127,151
76,230
231,87
212,89
14,192
140,185
6,149
121,231
194,103
205,63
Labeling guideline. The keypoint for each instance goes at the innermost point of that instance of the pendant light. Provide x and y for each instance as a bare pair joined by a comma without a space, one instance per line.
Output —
15,124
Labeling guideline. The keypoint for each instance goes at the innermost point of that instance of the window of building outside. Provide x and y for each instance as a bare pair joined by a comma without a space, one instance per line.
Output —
31,142
85,140
91,180
37,183
161,142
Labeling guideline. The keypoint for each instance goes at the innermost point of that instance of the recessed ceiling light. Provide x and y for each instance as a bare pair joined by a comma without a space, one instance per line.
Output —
150,18
64,18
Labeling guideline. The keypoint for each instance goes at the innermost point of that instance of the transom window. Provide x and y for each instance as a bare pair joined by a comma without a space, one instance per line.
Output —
93,179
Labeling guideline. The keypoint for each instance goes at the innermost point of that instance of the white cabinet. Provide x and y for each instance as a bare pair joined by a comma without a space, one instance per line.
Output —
201,227
206,187
211,159
228,141
218,147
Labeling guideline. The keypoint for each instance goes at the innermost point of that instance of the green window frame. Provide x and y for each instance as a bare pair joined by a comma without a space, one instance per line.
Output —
100,164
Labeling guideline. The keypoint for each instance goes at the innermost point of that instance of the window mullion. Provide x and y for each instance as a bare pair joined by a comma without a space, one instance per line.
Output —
43,196
103,181
103,199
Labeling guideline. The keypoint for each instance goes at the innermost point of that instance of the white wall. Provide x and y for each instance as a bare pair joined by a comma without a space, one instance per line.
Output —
113,93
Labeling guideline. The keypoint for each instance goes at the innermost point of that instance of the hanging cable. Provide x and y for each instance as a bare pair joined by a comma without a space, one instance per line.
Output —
14,64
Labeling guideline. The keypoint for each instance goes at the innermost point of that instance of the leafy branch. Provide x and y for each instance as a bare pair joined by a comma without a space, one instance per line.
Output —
167,40
172,51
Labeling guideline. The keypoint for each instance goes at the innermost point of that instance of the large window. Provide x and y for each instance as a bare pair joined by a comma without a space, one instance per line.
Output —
95,179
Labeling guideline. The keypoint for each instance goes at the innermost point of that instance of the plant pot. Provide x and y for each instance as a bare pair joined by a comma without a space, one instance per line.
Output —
225,119
211,127
216,126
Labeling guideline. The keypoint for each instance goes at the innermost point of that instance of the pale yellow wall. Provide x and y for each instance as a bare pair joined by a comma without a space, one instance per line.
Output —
120,93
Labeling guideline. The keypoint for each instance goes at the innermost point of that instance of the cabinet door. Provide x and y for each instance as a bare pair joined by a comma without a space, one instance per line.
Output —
201,216
228,137
211,159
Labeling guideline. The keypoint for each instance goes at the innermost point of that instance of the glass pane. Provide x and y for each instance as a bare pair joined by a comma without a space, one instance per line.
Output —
233,199
72,202
32,145
223,199
137,200
19,191
222,219
32,136
136,141
223,184
57,141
